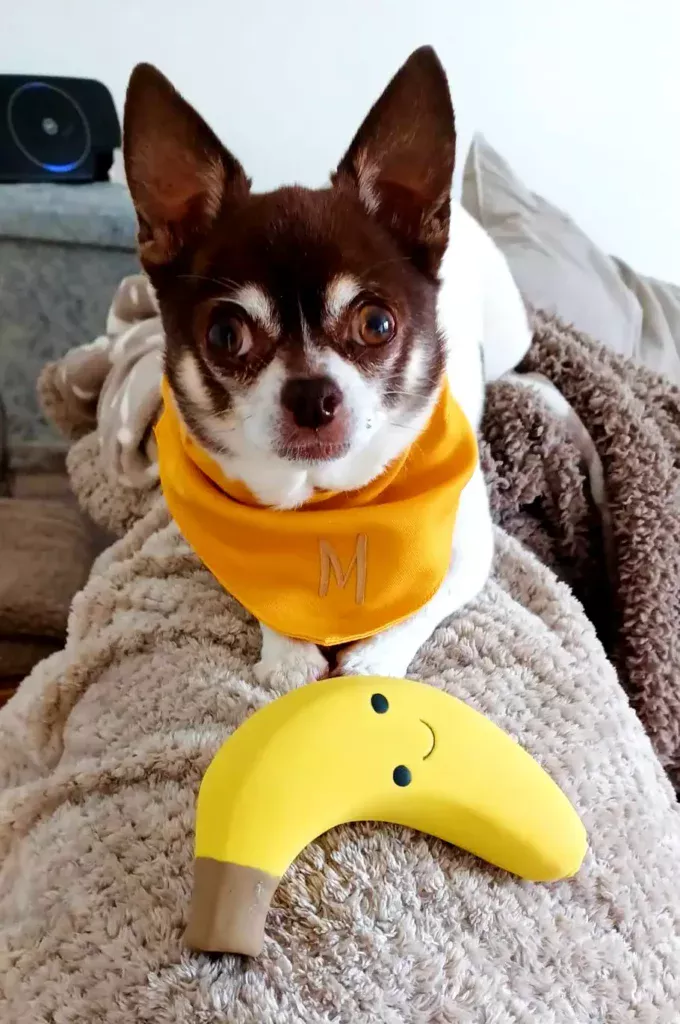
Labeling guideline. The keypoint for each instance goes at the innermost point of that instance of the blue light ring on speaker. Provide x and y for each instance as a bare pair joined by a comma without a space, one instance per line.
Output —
62,168
52,168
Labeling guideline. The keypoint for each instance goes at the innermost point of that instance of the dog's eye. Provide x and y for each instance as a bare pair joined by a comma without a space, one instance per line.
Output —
373,325
227,335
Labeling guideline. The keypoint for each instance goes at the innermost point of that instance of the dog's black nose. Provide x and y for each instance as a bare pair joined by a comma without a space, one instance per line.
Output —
313,401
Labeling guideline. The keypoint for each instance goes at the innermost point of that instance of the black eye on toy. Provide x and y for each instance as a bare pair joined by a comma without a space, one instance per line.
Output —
401,775
379,703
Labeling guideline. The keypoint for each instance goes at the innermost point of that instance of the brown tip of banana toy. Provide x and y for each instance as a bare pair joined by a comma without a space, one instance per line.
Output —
229,906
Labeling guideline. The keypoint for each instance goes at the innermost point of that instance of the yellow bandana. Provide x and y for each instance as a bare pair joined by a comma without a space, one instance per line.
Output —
342,566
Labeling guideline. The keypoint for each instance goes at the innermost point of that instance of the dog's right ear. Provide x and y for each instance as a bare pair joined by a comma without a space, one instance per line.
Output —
178,171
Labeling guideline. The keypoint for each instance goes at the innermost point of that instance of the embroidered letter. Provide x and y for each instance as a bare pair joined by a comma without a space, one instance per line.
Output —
330,560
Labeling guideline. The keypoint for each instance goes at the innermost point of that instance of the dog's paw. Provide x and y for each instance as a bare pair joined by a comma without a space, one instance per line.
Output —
374,657
304,664
286,663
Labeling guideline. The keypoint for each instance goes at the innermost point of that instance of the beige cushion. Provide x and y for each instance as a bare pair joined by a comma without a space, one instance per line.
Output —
561,270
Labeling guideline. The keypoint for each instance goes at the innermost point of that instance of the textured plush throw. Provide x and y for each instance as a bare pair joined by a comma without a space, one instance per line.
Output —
102,752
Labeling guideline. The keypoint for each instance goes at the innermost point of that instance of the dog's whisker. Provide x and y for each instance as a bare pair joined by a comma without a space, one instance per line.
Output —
384,263
222,282
405,394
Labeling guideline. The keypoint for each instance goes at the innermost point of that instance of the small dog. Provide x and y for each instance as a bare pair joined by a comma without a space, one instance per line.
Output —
309,332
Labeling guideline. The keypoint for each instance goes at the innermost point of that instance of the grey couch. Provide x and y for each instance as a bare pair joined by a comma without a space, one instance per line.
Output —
63,250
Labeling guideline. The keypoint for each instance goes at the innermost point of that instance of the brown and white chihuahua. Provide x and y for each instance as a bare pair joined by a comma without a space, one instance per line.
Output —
308,331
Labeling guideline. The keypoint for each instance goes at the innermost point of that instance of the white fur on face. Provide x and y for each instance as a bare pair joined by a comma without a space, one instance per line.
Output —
258,410
251,431
342,290
379,433
191,382
256,416
415,368
259,307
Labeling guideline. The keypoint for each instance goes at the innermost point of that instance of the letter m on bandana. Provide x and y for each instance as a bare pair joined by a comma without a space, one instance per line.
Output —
330,563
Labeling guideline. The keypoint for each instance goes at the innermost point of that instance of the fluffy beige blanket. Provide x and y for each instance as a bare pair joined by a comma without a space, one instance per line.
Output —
102,750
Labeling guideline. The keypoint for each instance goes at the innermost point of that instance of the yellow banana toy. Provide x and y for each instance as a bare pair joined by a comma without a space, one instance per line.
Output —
364,749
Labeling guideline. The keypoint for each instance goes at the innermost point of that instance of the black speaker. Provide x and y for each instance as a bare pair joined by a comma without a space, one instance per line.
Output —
56,129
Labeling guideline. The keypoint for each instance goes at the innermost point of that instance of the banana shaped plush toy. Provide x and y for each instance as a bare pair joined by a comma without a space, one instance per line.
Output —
364,749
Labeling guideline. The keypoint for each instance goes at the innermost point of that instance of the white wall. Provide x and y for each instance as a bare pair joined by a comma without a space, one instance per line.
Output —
581,96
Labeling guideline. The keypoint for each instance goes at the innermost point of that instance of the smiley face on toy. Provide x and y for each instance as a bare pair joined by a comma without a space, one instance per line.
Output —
402,775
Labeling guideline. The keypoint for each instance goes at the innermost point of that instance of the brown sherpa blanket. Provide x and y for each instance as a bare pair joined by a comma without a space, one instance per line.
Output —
625,566
586,476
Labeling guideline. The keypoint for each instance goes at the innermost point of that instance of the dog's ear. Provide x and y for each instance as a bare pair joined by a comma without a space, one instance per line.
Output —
401,159
178,171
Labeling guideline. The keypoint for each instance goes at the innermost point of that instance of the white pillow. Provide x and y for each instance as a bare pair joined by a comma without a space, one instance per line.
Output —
559,269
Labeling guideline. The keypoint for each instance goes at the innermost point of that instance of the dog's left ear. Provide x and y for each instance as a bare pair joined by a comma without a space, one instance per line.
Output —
401,160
